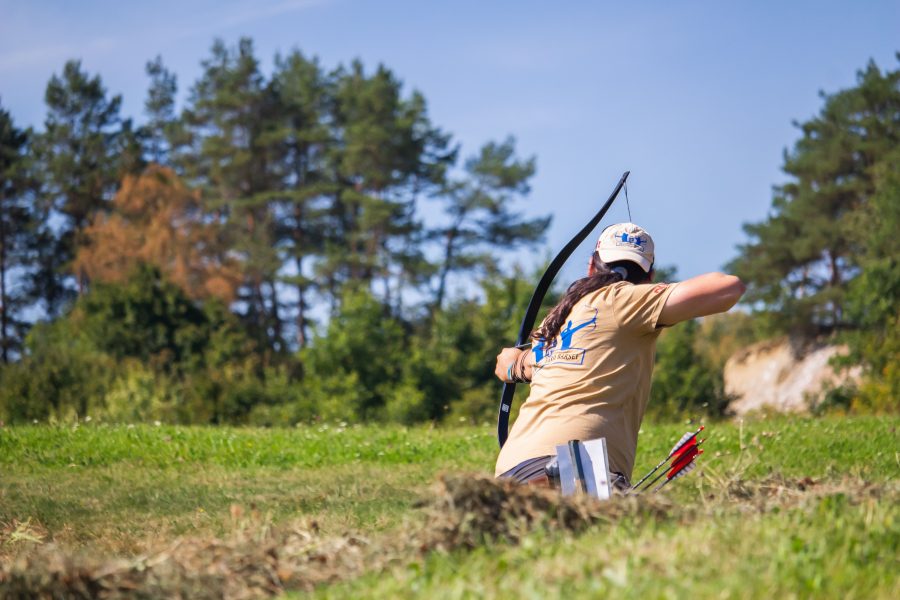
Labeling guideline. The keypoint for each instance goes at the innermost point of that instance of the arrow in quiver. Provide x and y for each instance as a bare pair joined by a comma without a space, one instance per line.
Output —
683,454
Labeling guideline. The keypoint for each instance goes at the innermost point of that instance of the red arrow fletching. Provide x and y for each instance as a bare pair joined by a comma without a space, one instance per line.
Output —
685,439
683,461
692,443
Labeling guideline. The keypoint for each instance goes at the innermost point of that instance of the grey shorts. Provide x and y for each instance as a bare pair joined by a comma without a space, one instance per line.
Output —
534,468
527,470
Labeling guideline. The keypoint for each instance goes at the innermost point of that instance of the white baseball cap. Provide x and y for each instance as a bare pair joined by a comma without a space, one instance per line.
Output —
626,241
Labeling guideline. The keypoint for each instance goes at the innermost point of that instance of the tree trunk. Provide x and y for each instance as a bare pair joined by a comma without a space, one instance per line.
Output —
261,312
301,287
835,282
445,270
4,304
302,341
302,170
275,316
449,249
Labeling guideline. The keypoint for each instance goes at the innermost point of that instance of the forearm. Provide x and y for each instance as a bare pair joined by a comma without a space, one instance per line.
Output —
514,364
701,296
525,365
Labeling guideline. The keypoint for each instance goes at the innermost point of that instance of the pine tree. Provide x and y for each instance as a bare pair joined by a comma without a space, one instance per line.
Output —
800,260
303,139
161,131
388,155
481,215
85,150
16,224
873,296
230,125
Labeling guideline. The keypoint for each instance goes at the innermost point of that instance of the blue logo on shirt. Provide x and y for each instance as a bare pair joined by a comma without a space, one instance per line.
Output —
561,350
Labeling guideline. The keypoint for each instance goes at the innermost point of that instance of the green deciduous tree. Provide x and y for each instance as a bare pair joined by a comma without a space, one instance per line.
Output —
684,382
137,349
352,368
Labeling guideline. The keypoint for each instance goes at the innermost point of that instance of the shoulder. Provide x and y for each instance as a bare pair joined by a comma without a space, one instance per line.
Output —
623,291
651,289
639,306
608,293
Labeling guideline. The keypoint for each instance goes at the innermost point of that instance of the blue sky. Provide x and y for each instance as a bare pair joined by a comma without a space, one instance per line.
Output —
695,98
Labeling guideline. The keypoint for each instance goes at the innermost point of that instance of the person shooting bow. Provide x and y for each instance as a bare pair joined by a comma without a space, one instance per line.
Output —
591,359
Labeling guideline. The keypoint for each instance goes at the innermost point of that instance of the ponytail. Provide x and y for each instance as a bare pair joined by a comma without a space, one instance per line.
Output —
604,274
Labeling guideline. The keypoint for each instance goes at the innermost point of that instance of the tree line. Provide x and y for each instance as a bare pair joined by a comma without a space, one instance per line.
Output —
271,193
260,254
209,240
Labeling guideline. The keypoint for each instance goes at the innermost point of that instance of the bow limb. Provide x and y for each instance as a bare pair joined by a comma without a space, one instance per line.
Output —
509,389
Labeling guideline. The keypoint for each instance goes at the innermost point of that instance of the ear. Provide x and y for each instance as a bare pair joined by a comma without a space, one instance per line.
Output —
591,270
651,275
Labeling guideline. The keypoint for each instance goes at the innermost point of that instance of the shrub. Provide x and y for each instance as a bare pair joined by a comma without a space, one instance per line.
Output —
684,383
61,377
141,395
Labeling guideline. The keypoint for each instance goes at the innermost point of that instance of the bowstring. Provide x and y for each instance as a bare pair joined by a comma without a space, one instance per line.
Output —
627,203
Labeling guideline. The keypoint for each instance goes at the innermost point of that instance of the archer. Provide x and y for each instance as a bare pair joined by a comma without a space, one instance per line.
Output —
605,393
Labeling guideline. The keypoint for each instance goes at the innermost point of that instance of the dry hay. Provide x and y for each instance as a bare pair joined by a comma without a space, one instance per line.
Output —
468,511
260,561
782,492
260,564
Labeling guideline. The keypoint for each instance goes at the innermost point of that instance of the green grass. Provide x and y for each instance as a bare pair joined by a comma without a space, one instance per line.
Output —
117,489
114,487
835,551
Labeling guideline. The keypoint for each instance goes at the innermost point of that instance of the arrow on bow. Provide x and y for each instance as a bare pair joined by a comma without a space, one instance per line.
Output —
509,389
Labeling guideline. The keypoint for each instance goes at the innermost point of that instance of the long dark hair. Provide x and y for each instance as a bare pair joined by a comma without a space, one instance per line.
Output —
604,274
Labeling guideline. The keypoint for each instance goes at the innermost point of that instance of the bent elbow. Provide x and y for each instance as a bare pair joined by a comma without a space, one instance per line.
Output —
734,290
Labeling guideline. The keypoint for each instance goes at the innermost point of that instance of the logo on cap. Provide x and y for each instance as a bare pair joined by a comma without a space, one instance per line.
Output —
631,240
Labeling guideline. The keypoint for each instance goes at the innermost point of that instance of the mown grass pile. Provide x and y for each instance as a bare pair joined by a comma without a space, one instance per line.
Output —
254,513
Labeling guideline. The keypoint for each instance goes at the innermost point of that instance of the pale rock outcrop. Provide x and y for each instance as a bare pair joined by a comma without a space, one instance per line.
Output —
782,375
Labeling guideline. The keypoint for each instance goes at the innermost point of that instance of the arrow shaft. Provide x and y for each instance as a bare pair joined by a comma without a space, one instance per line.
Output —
652,471
662,485
652,481
682,471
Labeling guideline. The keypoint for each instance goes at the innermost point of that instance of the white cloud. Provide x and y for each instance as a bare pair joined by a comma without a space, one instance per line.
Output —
242,15
40,53
38,56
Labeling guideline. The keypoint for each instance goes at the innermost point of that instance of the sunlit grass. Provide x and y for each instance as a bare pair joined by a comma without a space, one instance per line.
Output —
119,489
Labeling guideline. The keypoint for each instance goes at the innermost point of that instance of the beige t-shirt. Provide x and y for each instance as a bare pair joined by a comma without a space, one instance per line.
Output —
593,380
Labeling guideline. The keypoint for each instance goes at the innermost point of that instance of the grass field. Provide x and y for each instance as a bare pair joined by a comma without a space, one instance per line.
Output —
780,508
